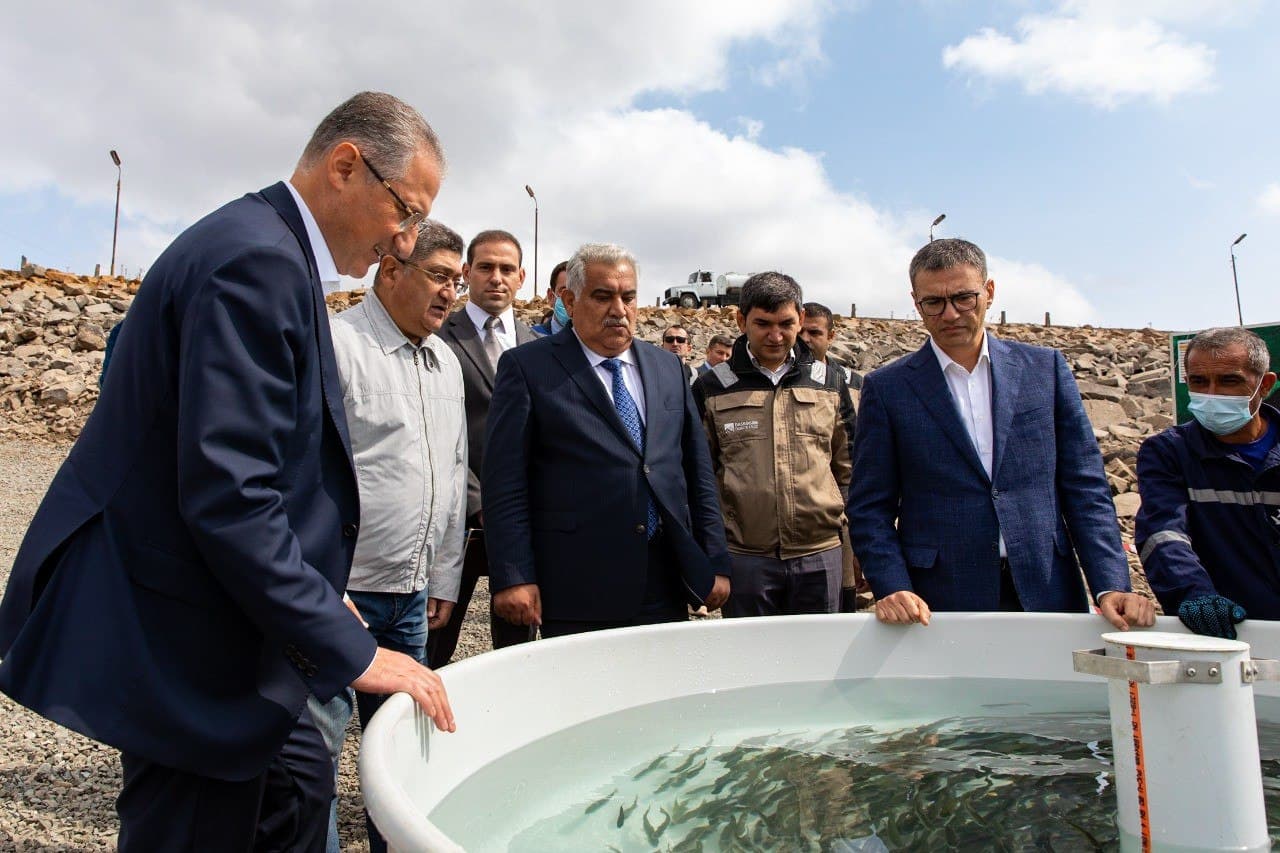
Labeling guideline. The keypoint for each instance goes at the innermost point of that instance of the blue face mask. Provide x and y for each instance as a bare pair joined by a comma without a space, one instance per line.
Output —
1222,414
560,313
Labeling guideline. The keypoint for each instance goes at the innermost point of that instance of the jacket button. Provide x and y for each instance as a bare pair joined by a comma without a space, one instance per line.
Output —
995,493
646,469
349,530
640,528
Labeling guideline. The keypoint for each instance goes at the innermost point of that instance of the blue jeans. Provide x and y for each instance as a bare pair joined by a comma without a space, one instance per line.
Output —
331,719
398,621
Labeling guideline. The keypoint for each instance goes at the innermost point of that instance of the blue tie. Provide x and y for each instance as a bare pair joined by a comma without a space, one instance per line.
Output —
629,413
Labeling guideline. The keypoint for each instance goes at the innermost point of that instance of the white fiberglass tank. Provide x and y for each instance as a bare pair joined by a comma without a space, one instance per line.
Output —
651,738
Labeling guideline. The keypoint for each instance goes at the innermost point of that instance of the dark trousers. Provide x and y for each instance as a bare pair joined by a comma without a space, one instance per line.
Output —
768,586
285,808
442,642
662,602
1009,601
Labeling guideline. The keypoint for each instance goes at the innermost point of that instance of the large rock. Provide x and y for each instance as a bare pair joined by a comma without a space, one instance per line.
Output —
90,338
1095,391
62,392
1127,504
1104,413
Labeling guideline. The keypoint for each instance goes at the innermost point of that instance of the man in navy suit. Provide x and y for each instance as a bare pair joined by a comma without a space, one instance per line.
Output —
599,500
179,591
976,476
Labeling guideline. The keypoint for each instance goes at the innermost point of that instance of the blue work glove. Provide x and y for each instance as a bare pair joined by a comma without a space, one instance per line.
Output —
1212,615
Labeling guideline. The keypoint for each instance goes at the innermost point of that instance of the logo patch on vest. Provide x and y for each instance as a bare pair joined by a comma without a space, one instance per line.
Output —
741,426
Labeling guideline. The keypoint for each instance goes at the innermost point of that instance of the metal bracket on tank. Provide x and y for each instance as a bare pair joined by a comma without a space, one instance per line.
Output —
1096,662
1259,669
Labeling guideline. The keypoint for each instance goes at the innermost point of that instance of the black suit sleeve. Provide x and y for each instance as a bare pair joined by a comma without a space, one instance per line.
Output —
505,478
704,493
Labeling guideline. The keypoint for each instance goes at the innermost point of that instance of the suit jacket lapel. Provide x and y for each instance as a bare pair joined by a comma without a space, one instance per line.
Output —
524,334
279,197
654,410
930,386
568,351
464,332
1006,378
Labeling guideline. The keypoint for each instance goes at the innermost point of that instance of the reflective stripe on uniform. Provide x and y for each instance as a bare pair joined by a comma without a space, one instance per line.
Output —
1222,496
1157,539
725,374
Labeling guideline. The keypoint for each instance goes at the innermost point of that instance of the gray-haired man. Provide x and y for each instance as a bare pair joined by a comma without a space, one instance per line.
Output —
1209,528
402,390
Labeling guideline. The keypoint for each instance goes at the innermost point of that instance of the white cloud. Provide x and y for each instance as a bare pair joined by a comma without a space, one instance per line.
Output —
1269,199
1103,53
221,101
751,127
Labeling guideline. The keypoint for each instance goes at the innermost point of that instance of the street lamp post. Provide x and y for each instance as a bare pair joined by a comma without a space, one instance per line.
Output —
932,225
115,229
1235,279
536,280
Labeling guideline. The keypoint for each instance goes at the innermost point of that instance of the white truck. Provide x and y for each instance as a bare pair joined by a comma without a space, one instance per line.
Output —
706,288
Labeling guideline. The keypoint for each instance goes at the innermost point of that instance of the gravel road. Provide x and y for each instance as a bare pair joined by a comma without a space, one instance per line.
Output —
57,789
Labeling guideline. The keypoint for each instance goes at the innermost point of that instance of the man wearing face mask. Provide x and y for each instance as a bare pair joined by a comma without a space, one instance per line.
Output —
1208,532
559,316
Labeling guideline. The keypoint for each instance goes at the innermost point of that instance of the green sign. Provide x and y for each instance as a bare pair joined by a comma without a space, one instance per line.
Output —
1269,332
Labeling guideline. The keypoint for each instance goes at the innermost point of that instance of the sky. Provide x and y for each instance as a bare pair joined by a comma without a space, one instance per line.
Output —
1103,154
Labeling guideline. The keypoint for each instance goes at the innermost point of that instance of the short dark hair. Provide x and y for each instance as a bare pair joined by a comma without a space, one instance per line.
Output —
494,235
676,326
433,237
555,271
769,291
945,253
817,309
720,341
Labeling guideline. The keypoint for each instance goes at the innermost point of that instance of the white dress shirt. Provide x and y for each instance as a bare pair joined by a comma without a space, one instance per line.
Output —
775,375
330,281
971,391
505,327
405,411
630,375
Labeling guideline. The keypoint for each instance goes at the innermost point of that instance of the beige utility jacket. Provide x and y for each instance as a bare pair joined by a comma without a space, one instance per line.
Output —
782,454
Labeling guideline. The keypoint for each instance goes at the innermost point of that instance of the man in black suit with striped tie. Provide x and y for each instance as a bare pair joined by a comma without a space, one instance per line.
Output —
600,503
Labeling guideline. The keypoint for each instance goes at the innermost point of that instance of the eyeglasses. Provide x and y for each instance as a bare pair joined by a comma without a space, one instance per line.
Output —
932,306
412,218
458,284
674,339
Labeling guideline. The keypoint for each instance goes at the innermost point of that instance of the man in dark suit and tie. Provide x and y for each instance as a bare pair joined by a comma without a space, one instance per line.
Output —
478,334
179,591
976,477
600,500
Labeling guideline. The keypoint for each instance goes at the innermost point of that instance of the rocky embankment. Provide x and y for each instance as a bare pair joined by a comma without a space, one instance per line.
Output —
53,329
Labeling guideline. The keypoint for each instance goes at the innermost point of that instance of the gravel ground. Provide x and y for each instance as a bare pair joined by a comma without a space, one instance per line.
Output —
57,789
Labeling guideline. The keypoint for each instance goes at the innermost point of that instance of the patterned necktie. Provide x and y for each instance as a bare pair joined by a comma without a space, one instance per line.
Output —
492,346
627,410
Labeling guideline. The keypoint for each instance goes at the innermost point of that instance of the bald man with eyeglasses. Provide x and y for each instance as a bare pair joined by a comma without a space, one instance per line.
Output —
977,482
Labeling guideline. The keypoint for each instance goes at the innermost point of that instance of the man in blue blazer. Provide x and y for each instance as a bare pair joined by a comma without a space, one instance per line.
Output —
976,476
179,591
600,503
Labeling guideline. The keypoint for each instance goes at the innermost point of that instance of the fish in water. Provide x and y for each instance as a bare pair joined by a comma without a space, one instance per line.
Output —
598,804
624,812
652,766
